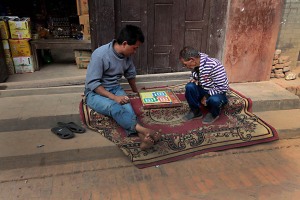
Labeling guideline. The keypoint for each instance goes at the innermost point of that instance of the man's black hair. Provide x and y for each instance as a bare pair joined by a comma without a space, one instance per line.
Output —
131,34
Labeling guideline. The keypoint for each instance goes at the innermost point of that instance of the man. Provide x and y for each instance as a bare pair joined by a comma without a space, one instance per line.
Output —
102,88
208,84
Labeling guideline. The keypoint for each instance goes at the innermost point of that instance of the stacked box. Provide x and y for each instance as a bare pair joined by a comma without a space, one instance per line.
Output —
4,28
82,7
20,47
4,36
19,28
21,54
23,64
4,31
82,62
82,58
82,53
8,57
85,23
83,13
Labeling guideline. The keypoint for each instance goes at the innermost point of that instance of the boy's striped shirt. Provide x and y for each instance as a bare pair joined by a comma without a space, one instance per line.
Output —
213,77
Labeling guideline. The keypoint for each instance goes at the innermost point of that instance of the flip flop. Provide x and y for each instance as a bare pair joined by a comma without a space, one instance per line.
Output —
63,132
72,127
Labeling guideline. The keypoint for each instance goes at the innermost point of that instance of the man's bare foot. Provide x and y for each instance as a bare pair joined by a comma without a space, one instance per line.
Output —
146,142
155,135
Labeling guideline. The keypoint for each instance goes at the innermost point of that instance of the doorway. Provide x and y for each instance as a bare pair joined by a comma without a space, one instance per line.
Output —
168,25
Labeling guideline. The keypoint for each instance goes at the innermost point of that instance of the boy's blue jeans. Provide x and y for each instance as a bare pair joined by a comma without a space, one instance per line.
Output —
124,115
194,94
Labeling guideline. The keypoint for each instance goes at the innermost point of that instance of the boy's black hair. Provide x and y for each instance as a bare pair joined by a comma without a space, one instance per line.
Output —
131,34
187,52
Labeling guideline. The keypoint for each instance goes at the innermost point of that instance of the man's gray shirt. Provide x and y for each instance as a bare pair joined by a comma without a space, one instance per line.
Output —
107,67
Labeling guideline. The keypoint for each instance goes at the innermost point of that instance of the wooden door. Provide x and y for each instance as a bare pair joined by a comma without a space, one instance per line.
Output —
171,26
168,25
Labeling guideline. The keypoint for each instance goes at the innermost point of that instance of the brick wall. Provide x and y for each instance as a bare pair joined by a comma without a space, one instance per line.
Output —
289,34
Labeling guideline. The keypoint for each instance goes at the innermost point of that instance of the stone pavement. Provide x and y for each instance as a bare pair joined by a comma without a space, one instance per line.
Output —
267,171
31,108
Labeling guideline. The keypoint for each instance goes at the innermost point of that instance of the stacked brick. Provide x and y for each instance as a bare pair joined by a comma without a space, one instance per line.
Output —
281,66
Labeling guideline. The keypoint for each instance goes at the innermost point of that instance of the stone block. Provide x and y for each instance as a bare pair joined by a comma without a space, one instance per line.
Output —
283,59
279,75
277,51
287,64
286,69
275,61
279,66
290,76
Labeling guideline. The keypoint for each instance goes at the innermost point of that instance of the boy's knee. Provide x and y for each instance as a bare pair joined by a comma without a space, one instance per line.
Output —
190,86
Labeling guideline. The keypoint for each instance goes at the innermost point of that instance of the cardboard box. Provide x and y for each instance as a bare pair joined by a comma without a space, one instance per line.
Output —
85,22
20,29
20,34
22,24
82,62
7,53
5,44
82,7
23,65
4,31
19,48
6,49
10,65
4,27
82,53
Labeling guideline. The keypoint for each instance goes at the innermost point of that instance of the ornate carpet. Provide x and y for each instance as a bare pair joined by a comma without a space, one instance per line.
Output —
236,127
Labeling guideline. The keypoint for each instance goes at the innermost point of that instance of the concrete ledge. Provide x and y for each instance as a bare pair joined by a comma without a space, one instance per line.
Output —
39,122
20,149
41,147
267,96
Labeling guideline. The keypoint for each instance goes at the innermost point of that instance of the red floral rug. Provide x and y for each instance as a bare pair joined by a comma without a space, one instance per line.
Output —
236,127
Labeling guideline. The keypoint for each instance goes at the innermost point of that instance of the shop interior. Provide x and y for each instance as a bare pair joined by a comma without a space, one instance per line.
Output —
55,19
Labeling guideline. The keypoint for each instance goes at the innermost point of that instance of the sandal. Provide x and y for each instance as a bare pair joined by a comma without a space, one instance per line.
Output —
147,143
72,127
63,132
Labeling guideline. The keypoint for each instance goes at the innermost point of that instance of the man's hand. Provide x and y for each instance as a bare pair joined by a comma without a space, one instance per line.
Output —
122,99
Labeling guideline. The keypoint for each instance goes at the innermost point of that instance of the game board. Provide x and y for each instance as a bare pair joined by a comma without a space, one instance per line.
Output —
159,98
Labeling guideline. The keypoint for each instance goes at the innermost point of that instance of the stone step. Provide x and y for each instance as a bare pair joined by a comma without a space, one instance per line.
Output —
40,108
267,95
40,147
